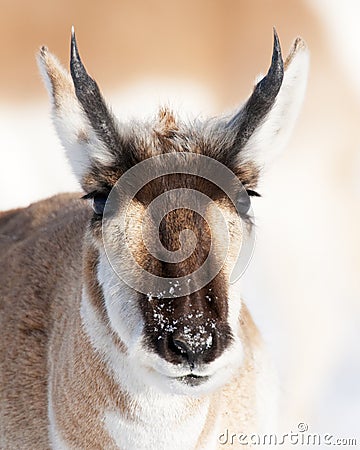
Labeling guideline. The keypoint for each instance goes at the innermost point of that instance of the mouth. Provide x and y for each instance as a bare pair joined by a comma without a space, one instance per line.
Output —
192,380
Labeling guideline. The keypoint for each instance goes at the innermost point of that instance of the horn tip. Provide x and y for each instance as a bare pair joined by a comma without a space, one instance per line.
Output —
276,40
74,50
73,38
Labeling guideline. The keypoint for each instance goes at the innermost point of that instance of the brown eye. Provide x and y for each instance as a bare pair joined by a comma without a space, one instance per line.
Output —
243,203
98,203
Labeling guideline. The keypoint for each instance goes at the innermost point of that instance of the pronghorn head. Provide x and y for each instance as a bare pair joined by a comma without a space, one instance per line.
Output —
171,214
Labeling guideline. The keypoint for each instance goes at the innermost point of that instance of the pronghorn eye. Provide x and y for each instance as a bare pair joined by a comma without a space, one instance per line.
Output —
98,201
243,204
98,204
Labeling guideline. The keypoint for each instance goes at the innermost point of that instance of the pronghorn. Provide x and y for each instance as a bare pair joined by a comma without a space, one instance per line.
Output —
87,359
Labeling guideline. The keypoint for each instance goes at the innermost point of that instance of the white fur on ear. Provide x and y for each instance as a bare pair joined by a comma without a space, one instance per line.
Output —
270,138
73,128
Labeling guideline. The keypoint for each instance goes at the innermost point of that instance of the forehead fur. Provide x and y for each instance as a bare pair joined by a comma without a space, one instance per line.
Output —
169,134
166,126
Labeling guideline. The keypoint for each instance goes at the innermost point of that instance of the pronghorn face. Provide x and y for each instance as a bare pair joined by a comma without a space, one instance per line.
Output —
171,213
188,326
168,251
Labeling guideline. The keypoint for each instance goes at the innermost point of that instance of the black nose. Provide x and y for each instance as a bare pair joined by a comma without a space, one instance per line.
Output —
191,347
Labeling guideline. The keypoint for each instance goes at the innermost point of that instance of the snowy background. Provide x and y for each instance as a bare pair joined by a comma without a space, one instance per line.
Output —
303,283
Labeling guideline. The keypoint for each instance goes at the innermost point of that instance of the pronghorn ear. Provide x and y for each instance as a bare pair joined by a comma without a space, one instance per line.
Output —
85,143
264,124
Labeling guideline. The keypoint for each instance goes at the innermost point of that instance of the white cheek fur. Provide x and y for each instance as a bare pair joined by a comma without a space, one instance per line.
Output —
121,304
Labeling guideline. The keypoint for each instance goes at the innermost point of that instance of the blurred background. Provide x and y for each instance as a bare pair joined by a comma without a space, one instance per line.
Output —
202,56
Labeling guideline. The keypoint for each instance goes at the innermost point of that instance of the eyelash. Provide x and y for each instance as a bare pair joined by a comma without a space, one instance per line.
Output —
252,193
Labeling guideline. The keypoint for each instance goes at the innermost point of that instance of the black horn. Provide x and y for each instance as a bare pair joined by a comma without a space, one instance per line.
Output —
260,102
90,98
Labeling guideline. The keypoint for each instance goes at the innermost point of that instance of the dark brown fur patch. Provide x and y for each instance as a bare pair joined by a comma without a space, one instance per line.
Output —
248,173
173,138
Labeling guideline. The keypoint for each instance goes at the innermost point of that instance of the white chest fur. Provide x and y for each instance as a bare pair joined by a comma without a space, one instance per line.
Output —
156,429
159,420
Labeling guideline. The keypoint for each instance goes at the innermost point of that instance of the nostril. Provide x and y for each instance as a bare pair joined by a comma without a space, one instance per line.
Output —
191,347
181,346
